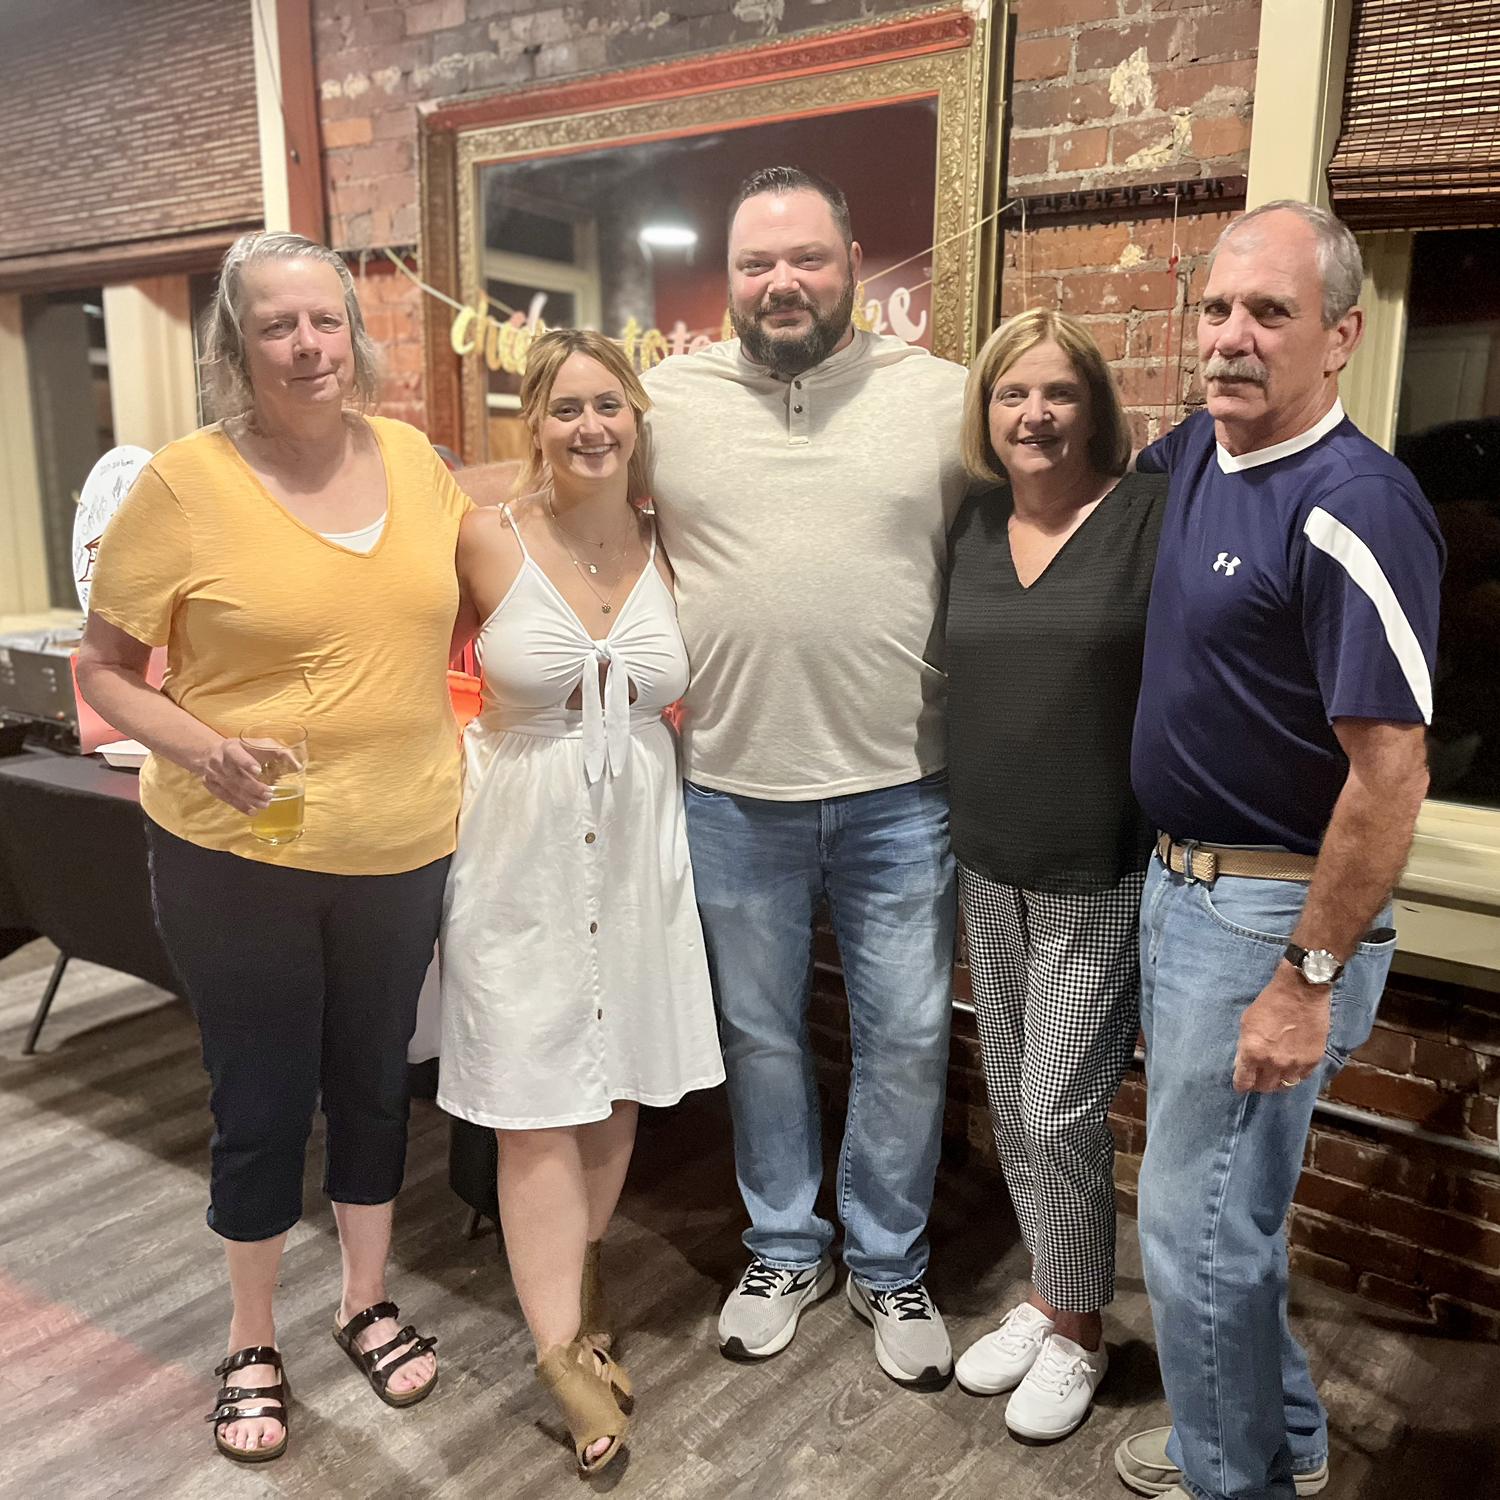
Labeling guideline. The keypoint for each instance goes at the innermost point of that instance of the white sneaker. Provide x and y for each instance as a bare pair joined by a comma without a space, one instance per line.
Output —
1055,1395
999,1361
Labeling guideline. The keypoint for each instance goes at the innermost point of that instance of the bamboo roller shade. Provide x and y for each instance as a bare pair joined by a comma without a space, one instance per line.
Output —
1420,143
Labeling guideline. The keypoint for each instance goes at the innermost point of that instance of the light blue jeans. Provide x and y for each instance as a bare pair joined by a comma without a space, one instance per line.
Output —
1218,1177
883,861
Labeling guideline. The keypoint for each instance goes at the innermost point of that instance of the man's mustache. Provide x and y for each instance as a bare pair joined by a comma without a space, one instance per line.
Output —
1242,367
785,303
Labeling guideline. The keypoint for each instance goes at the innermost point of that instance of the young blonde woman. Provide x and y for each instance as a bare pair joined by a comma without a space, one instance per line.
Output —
575,981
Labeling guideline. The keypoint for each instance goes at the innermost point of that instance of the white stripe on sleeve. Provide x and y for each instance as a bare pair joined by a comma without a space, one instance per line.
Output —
1328,534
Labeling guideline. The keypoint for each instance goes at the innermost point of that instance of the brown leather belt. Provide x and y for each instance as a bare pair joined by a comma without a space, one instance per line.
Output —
1206,862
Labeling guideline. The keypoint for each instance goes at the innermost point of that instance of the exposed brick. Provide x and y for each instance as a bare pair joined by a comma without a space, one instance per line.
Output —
1055,104
1407,1299
1111,335
1205,83
1481,1118
1080,150
1042,57
1118,292
1465,1321
1335,1273
1467,1283
1407,1098
1472,1194
1217,139
1446,1062
1048,15
433,15
1354,1245
1390,1051
357,131
1108,46
1371,1165
1230,30
1030,155
1076,246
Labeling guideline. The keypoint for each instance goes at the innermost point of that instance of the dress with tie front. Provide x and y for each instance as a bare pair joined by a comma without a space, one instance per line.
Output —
573,967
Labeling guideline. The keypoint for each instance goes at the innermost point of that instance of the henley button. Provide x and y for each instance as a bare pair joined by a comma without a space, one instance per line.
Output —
588,838
593,927
797,408
598,1015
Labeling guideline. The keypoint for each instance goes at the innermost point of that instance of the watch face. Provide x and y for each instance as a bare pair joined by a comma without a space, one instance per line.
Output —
1320,966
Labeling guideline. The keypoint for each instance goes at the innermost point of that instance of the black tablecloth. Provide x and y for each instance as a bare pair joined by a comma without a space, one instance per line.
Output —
73,863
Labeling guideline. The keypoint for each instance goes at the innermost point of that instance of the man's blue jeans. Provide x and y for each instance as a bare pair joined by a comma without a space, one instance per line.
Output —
882,859
1218,1178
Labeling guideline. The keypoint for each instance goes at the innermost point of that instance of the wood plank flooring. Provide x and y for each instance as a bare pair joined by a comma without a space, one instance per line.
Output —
112,1312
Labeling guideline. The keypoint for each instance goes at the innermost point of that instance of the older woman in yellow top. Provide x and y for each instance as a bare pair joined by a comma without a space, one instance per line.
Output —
297,561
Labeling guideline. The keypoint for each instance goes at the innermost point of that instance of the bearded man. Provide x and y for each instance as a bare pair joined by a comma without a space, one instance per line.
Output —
804,476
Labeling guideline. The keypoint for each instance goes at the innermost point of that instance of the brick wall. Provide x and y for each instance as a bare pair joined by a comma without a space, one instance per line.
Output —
1105,92
1110,93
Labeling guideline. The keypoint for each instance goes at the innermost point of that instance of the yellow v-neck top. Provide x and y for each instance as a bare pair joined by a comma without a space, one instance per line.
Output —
263,618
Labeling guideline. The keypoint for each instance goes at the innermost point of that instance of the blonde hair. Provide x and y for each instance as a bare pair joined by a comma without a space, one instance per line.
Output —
543,360
1109,443
227,391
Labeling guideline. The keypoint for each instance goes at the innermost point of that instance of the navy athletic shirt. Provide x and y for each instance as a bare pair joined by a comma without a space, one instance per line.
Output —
1293,586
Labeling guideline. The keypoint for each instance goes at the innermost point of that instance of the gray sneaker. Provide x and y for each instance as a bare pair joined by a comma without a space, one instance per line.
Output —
760,1315
911,1344
1142,1462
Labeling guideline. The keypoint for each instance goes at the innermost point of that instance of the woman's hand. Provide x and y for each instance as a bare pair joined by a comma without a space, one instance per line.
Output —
232,774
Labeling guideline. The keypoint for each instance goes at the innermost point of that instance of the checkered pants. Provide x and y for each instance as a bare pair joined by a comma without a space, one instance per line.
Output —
1056,983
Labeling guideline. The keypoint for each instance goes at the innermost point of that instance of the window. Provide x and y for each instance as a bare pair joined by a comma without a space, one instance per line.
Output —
1448,433
68,363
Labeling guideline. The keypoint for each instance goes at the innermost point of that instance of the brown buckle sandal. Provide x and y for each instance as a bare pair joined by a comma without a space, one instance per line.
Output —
594,1322
268,1403
593,1393
368,1361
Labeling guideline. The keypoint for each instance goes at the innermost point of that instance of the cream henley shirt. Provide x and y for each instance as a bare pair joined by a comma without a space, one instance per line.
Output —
807,524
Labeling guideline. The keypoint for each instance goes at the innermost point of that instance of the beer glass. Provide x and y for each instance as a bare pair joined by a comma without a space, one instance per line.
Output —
280,747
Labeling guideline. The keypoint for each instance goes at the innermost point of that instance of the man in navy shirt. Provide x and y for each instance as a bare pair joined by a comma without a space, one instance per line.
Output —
1279,748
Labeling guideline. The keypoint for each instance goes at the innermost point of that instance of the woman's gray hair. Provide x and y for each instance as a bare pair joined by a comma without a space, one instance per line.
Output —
1339,260
226,381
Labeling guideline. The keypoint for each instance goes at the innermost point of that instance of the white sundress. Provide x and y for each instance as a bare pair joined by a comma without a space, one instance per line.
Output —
573,966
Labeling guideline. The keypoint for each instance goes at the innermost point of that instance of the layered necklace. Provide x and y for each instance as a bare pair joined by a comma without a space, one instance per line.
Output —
588,569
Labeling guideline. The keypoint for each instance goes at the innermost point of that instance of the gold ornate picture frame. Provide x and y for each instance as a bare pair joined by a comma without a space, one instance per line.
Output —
950,57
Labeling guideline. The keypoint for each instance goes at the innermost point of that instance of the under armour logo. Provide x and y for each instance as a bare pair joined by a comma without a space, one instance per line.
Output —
1228,563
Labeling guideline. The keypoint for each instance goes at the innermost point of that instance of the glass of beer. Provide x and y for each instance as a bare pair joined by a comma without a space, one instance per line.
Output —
280,747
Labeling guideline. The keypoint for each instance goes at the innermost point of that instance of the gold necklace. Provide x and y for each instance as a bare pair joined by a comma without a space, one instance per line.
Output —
586,569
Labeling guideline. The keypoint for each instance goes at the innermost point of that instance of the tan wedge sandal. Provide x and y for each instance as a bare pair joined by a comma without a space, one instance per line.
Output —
593,1393
595,1320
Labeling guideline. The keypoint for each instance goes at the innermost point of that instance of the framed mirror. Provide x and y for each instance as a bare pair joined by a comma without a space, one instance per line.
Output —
602,202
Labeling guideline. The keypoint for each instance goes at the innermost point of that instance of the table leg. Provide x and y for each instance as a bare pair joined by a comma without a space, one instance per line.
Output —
41,1011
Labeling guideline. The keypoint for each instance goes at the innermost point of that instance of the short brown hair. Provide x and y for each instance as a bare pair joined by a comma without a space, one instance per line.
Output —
1109,444
543,360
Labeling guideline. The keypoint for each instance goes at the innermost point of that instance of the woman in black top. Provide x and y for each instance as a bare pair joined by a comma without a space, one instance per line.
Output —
1050,574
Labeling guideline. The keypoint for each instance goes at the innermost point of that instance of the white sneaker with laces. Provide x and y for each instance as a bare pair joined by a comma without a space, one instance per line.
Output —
999,1361
1057,1391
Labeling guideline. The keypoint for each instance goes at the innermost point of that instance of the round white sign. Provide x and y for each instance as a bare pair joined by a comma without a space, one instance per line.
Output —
108,483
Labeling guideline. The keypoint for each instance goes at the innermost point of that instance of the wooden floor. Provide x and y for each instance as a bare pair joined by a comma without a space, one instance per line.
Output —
112,1312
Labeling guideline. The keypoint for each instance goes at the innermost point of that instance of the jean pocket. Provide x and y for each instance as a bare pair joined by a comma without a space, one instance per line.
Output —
1262,911
1356,997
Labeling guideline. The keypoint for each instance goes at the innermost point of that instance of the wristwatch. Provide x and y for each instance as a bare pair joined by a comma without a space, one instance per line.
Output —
1315,965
